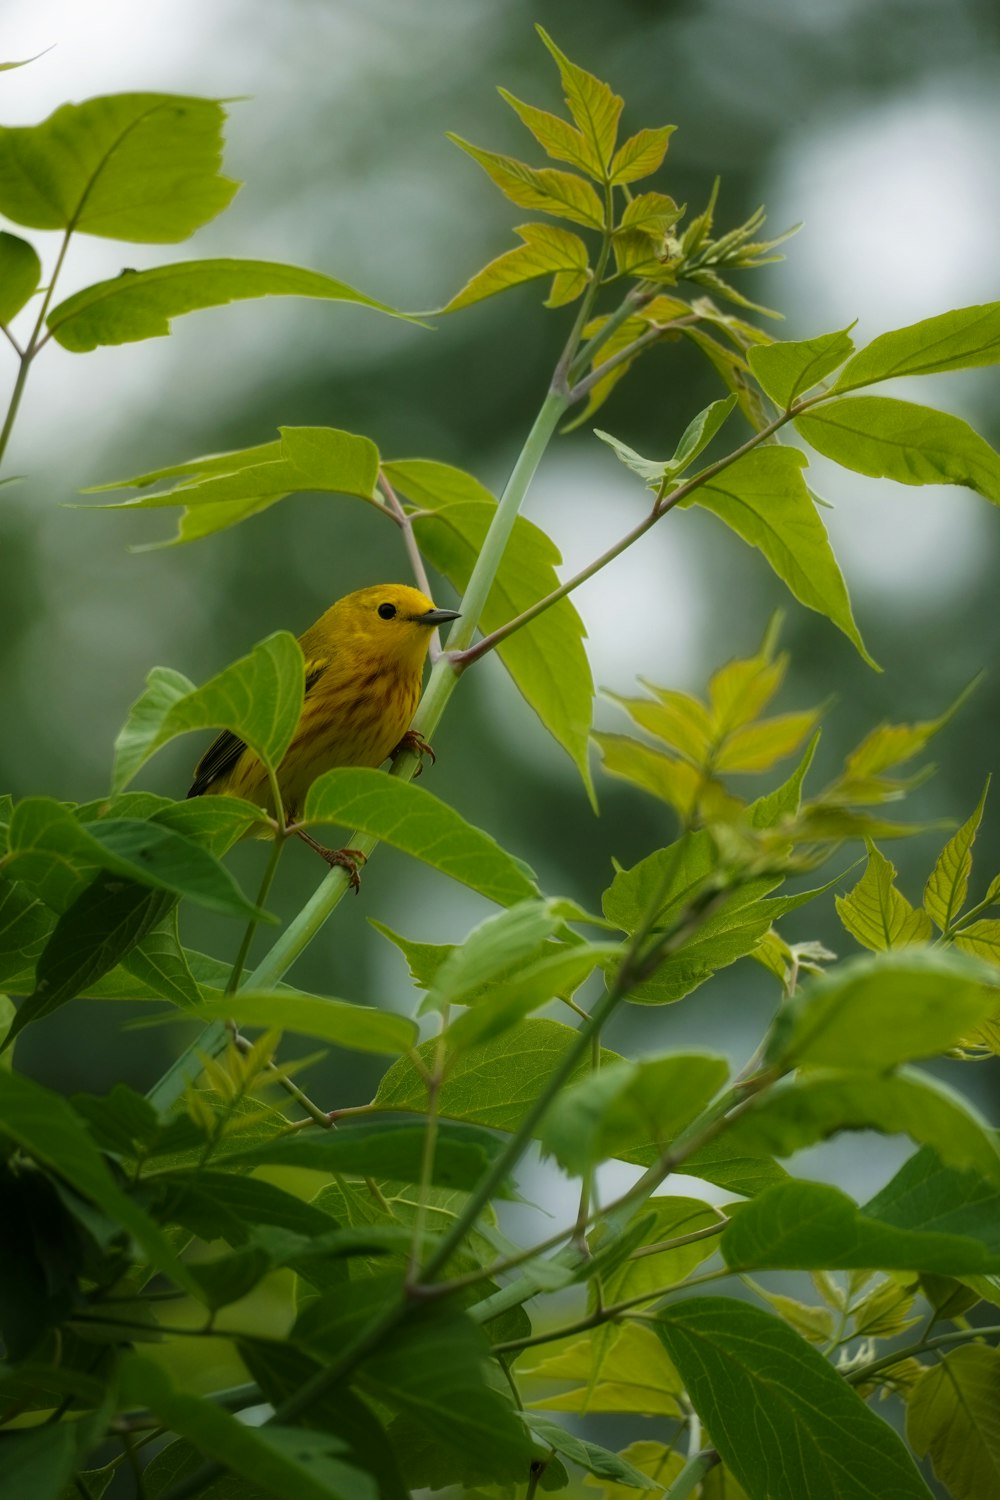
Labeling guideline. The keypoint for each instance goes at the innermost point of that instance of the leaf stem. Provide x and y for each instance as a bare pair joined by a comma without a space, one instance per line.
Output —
957,1336
693,1472
32,347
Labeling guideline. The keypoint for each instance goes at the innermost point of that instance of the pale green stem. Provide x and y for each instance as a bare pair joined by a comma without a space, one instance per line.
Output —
692,1474
957,1336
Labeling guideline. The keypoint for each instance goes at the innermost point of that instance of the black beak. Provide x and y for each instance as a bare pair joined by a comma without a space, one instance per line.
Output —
438,616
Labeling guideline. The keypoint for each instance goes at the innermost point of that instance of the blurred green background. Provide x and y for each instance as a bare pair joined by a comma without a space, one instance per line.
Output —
875,124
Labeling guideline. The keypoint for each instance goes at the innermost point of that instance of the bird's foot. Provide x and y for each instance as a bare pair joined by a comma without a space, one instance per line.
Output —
417,744
337,859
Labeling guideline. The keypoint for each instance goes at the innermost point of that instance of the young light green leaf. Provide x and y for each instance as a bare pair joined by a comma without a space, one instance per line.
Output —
357,1027
676,718
258,698
788,370
547,251
559,139
957,340
141,304
678,783
547,659
817,1105
892,439
981,939
545,190
812,1226
948,882
593,105
20,273
807,1437
876,1012
696,437
628,1372
765,500
45,1127
419,824
294,1463
629,1107
138,167
879,915
953,1416
649,215
640,155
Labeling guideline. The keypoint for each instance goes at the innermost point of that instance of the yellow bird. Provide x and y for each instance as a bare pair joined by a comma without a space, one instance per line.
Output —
364,662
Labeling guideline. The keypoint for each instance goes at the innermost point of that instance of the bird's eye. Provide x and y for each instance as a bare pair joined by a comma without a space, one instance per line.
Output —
387,611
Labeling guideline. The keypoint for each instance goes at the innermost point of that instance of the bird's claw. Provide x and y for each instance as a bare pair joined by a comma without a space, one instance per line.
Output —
418,745
338,859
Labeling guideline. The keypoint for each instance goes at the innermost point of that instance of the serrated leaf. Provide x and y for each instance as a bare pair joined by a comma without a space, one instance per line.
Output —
876,1012
546,189
497,947
422,959
954,1416
593,105
20,273
421,825
787,371
958,340
807,1437
559,139
258,698
547,250
948,883
141,304
764,499
890,439
640,155
981,939
629,1107
677,782
813,1226
138,167
879,915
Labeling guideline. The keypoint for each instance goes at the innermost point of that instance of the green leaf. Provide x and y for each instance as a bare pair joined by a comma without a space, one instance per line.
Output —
495,1083
357,1027
812,1226
44,1126
20,273
980,939
765,500
39,1464
948,883
25,924
669,1218
696,437
957,340
788,370
430,1368
292,1462
681,721
102,925
593,105
878,915
676,782
785,1423
892,439
160,964
630,1107
817,1105
141,304
419,824
560,140
954,1415
547,251
558,972
785,800
179,1460
138,167
378,1148
640,155
422,959
495,949
590,1456
224,489
876,1012
629,1372
545,190
258,698
44,834
547,659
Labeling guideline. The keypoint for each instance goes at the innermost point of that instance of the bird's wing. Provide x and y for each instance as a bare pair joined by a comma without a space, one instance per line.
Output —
226,749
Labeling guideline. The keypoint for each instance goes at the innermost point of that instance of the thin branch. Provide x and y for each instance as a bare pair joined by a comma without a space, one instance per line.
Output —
11,340
957,1336
693,1472
396,510
628,352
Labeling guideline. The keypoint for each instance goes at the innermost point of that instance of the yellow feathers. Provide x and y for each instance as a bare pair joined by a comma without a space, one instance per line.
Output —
364,666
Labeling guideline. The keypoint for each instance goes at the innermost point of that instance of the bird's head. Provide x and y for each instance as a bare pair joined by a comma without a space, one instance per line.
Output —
393,620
